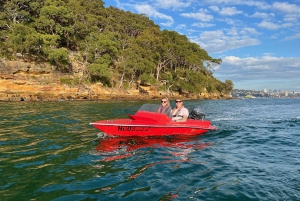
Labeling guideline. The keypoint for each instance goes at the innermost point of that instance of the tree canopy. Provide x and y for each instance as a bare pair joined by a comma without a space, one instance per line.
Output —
118,48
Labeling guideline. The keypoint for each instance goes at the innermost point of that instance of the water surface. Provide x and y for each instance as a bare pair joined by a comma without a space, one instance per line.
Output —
48,151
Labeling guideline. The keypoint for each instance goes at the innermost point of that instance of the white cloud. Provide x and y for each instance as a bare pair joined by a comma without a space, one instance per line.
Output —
223,40
265,66
181,26
274,36
175,4
258,4
273,26
232,32
292,18
286,7
296,36
203,25
286,25
214,8
200,15
151,12
262,15
268,25
228,21
249,30
260,72
229,11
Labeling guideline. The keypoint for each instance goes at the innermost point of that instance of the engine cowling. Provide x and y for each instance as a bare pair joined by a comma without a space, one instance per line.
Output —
197,113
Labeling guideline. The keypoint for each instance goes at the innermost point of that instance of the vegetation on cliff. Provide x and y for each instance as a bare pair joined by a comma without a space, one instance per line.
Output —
117,48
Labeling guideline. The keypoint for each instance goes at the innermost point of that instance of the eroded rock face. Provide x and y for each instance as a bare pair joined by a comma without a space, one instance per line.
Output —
21,70
29,81
12,67
23,90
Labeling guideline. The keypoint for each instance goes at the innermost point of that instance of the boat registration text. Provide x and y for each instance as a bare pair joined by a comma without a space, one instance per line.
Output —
133,128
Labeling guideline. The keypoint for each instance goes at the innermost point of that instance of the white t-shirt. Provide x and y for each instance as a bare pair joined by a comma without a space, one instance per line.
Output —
182,112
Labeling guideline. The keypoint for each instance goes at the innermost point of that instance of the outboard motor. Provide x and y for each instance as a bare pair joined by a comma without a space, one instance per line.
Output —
197,113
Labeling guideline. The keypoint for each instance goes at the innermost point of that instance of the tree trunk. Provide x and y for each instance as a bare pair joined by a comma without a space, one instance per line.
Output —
122,78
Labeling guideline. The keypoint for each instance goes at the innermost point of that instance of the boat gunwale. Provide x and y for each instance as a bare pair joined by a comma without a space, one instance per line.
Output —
157,126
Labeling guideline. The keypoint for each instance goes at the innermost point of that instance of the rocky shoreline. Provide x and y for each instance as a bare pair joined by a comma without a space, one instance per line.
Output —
29,81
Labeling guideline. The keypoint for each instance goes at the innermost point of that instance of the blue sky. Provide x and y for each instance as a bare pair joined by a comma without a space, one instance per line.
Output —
258,41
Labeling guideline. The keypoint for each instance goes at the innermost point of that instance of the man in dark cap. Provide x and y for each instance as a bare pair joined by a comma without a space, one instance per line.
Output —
179,113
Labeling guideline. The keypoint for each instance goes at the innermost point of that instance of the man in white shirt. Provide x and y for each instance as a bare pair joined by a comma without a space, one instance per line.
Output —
179,113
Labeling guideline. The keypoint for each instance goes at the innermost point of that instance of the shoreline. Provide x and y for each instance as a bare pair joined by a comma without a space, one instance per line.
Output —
10,91
30,81
51,98
14,90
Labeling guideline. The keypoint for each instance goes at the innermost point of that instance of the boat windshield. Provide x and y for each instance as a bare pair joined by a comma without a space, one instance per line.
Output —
149,107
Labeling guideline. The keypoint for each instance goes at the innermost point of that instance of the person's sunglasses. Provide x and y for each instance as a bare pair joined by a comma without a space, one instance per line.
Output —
163,101
178,101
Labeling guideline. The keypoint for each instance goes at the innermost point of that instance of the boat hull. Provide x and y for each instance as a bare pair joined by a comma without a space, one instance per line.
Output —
152,124
144,130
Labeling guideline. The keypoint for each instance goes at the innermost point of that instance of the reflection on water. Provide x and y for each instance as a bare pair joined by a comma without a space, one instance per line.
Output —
151,156
112,148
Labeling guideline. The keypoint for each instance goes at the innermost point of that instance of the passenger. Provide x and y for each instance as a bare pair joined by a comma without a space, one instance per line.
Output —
179,113
165,106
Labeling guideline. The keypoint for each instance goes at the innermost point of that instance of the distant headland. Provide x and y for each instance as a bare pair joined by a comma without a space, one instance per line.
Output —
241,93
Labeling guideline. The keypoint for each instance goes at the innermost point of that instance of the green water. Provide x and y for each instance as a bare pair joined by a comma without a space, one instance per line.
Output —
48,151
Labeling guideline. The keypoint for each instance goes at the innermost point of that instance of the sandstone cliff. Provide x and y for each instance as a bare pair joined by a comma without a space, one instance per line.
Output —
23,80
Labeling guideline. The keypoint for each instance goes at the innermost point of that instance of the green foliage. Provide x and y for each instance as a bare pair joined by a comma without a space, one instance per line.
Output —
228,86
210,88
21,38
148,79
100,45
107,40
60,58
99,70
69,81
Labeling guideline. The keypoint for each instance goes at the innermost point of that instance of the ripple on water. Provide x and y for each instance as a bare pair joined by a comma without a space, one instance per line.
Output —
48,151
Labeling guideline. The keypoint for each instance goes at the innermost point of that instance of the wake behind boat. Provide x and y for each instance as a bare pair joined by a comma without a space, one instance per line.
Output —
148,122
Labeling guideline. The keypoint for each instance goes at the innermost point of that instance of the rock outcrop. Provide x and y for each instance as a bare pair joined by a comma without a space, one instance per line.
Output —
29,81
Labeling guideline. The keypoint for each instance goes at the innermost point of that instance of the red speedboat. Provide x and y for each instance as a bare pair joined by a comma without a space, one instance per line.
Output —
147,122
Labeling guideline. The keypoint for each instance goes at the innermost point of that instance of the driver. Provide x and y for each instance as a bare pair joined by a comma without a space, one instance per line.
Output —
179,113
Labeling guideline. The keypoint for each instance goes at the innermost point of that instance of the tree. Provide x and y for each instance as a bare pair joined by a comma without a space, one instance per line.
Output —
99,70
60,58
116,47
56,19
228,86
